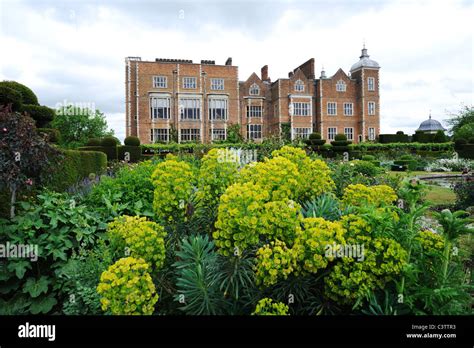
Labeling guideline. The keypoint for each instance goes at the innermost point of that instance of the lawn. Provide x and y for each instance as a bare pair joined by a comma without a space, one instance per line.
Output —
440,195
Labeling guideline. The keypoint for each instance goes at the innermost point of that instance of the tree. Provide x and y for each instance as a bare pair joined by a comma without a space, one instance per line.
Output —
78,125
461,118
24,154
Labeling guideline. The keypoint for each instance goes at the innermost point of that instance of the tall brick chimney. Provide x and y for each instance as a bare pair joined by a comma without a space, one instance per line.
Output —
228,61
264,72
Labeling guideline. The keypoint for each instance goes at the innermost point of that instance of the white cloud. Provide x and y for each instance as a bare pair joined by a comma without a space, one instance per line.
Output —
76,52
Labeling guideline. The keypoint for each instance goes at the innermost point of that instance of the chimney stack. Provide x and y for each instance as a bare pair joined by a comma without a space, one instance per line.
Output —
290,74
264,73
228,61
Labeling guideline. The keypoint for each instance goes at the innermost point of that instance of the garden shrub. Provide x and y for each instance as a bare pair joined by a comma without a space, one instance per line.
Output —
130,192
93,142
127,288
351,279
81,275
75,166
174,185
52,134
464,194
266,306
281,220
277,176
9,96
314,174
274,262
41,114
109,141
142,238
218,171
393,138
312,242
134,153
361,195
239,215
198,277
131,141
450,165
27,95
58,225
365,168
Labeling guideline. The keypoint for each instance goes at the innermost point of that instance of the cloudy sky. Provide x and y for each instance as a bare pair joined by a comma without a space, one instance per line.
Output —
74,50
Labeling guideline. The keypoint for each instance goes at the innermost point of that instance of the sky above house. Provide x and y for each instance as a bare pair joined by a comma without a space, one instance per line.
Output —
73,51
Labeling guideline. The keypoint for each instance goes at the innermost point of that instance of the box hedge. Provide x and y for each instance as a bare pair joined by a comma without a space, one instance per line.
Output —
75,166
393,138
134,151
110,151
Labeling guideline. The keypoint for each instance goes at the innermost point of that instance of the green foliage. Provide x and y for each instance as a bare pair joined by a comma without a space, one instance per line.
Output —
134,153
461,118
77,126
240,210
131,141
233,134
53,135
57,224
9,96
219,169
197,277
315,136
325,206
274,261
27,95
352,279
340,137
440,137
464,194
81,275
266,306
393,138
314,174
24,154
129,193
312,241
108,141
174,182
127,288
360,195
285,132
141,238
42,115
93,142
74,167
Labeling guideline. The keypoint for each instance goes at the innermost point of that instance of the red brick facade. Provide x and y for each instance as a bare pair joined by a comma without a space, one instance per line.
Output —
184,101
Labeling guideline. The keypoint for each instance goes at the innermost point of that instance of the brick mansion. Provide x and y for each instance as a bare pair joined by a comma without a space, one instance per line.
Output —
199,101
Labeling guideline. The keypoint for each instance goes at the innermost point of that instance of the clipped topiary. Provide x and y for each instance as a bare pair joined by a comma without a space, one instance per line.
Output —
340,137
315,136
109,141
10,96
94,142
400,133
27,95
131,141
40,113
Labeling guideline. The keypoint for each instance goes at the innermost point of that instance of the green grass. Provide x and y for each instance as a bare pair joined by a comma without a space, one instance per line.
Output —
440,195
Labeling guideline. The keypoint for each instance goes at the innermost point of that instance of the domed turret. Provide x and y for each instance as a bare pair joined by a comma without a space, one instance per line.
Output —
365,62
430,126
